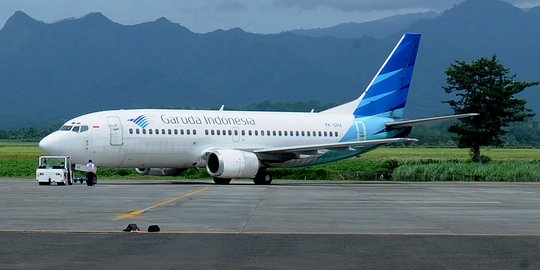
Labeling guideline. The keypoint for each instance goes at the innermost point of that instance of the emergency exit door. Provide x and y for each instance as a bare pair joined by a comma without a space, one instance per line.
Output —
115,129
360,131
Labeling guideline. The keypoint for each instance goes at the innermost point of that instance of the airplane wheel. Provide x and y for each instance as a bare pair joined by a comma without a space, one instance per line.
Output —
222,181
262,178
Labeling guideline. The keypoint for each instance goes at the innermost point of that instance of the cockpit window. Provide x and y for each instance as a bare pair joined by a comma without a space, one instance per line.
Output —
77,128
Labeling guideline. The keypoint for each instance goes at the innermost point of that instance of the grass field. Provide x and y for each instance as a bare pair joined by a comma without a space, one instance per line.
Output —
19,160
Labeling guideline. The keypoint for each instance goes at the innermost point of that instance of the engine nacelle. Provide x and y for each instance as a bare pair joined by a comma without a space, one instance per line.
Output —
160,171
229,163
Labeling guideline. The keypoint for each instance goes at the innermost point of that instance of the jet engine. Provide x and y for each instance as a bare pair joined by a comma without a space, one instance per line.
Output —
160,171
229,163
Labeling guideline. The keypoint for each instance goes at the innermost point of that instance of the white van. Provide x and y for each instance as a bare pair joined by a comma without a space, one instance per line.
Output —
54,169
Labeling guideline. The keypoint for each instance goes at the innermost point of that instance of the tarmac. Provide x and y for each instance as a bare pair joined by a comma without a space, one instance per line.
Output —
289,224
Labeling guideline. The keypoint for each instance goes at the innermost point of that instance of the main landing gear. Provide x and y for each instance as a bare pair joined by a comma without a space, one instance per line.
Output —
221,181
262,178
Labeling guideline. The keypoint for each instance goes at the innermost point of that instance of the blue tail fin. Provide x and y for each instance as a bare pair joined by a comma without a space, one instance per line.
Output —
387,93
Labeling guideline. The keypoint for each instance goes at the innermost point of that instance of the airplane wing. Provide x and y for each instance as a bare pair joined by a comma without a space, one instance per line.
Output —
318,148
416,122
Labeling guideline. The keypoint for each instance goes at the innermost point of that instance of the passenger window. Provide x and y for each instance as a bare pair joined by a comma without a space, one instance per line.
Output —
331,134
194,132
279,132
243,132
175,131
163,131
320,134
325,134
137,131
274,132
256,132
170,132
157,131
285,133
249,132
212,132
230,132
236,133
268,133
336,133
130,131
218,132
182,131
206,132
144,131
308,134
150,131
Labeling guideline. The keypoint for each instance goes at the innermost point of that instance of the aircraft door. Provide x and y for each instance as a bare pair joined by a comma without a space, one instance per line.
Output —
360,131
115,128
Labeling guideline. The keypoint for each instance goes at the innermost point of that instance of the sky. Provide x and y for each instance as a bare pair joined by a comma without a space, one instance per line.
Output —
256,16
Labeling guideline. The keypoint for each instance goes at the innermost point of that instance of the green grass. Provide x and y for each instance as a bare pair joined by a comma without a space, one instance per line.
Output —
19,160
500,171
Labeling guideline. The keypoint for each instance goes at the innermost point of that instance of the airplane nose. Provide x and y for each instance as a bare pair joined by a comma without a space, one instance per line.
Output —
51,145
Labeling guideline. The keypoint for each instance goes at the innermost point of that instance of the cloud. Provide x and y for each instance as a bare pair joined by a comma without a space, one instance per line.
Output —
230,5
366,5
378,5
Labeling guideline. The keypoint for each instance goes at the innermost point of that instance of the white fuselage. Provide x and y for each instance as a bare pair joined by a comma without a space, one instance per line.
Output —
177,138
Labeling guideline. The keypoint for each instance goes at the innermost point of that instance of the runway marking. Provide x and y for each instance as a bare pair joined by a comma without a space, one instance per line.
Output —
436,202
135,213
182,232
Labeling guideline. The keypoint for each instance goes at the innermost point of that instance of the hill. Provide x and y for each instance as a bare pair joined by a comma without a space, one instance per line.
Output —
52,72
381,28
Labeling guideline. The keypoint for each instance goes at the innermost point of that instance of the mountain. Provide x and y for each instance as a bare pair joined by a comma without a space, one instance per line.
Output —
381,28
53,72
474,29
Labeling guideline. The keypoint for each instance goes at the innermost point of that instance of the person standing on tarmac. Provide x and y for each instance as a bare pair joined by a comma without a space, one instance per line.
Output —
90,173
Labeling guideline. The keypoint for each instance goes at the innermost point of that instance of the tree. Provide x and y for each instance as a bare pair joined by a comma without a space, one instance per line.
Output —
484,87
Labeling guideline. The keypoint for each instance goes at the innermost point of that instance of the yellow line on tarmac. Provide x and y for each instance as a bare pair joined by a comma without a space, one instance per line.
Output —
135,213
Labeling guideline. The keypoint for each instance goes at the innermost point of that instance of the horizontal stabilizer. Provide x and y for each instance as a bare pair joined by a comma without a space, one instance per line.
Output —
329,146
431,120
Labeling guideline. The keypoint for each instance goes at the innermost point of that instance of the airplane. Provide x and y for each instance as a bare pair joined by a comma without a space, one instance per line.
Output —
243,144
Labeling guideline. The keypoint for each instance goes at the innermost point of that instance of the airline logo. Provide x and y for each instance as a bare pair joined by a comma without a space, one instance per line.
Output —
141,121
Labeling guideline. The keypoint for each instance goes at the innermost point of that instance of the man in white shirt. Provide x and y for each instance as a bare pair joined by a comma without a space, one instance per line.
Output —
90,173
